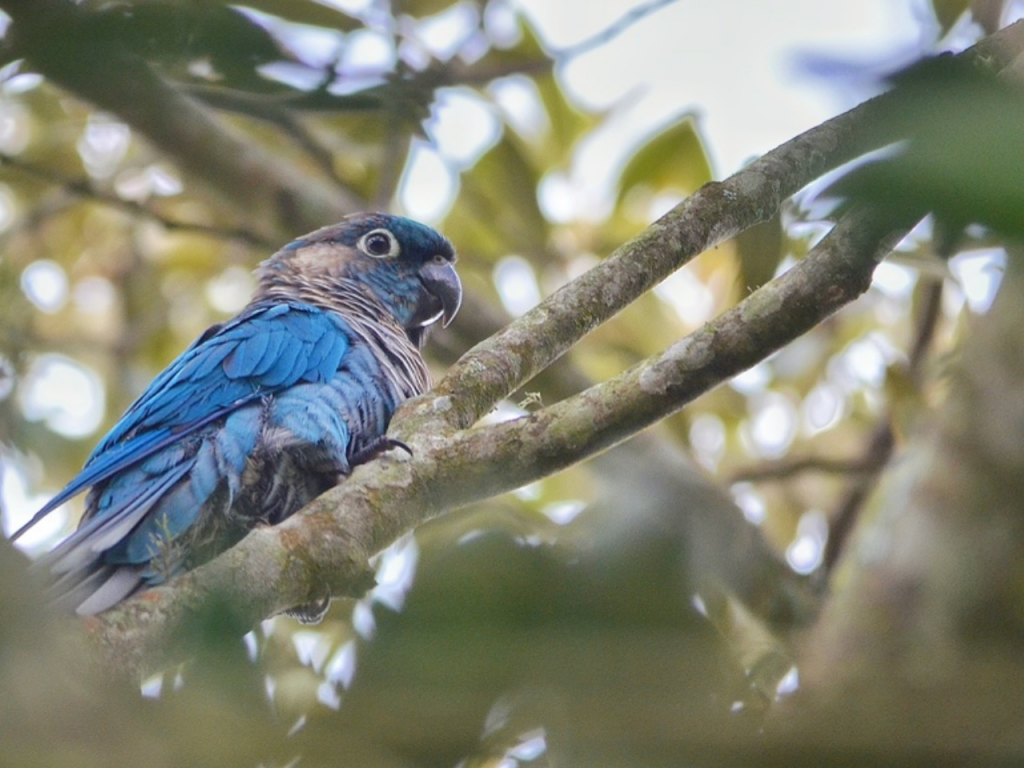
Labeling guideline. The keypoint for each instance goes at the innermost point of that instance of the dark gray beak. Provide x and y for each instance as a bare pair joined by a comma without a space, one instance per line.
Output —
443,293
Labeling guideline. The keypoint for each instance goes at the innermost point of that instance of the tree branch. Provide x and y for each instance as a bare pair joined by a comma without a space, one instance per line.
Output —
327,546
716,212
784,469
622,24
882,443
836,272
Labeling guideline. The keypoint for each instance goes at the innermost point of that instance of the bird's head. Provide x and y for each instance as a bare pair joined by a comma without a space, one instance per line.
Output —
405,265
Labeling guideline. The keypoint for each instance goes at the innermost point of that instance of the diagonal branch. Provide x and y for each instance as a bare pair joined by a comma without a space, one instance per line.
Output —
836,272
718,211
328,545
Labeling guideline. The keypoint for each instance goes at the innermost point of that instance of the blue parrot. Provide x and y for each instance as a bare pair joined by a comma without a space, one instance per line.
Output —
261,413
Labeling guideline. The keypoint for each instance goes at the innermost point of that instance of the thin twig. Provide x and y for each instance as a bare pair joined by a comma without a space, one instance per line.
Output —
624,22
84,189
280,112
842,522
880,446
784,469
927,324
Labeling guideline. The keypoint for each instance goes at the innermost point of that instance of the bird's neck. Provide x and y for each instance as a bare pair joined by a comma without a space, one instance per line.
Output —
368,320
345,296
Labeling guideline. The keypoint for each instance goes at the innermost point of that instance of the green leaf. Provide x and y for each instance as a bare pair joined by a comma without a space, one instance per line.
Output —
674,159
759,250
947,12
963,158
568,124
498,211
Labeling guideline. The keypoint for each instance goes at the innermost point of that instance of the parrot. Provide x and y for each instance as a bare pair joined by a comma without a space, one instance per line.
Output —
261,413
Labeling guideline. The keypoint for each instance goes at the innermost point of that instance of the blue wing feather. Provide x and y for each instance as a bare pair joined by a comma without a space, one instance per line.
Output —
104,531
260,414
263,351
240,362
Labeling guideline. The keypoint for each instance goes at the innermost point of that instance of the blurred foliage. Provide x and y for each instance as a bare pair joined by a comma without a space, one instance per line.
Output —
530,634
673,160
963,158
759,251
987,13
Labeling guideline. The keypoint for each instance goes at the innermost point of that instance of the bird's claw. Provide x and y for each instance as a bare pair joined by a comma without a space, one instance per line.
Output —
379,446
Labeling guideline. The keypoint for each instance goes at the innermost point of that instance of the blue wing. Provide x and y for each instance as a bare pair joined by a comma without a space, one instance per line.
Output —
266,349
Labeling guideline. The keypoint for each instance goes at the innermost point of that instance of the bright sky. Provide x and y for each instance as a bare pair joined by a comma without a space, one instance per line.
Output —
743,65
756,74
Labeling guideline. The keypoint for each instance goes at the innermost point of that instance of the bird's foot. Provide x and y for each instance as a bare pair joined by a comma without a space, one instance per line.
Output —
310,613
314,612
380,445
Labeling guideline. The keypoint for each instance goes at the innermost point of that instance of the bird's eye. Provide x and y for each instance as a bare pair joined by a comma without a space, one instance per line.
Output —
380,244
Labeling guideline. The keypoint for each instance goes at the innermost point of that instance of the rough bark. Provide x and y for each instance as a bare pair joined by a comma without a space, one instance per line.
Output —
328,545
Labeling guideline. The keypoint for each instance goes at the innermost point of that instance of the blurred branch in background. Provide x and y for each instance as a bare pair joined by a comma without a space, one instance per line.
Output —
629,18
882,443
247,178
784,469
84,189
921,640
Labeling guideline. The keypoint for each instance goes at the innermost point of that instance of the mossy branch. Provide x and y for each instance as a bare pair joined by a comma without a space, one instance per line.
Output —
327,546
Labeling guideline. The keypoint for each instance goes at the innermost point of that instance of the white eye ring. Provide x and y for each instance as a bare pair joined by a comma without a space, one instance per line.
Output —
379,244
